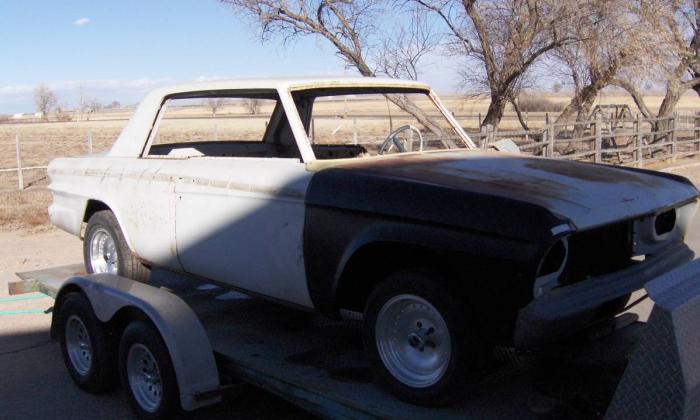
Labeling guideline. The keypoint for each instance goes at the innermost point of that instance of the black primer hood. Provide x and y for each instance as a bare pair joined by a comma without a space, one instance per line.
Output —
502,193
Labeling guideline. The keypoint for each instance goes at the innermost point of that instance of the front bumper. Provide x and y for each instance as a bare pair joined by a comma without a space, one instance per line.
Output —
565,310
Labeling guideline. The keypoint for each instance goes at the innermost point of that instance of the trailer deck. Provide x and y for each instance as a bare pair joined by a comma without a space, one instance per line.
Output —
318,363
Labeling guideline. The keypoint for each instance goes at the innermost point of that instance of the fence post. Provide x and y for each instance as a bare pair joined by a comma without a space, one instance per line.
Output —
89,142
550,135
20,178
483,138
697,131
354,131
598,139
479,119
674,145
637,142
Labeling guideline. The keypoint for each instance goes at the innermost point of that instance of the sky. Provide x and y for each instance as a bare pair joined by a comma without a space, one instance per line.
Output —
119,50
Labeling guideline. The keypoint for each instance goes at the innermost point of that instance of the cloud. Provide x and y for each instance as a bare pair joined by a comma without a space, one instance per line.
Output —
81,22
88,85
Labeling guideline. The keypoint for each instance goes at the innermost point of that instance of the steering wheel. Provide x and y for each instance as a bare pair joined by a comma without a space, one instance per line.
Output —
403,146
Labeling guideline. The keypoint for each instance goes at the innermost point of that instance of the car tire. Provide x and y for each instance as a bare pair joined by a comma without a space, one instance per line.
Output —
421,343
85,345
146,372
105,249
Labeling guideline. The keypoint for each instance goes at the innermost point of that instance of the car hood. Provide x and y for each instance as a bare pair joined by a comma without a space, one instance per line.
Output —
584,194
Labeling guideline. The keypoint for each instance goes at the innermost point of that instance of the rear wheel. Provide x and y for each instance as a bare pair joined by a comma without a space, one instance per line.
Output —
85,345
105,249
147,372
422,344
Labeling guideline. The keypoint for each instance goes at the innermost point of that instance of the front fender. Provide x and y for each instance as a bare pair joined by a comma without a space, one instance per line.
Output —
338,235
183,334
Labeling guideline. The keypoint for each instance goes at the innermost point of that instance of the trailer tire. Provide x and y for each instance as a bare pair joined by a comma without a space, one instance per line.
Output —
85,345
147,373
104,240
422,344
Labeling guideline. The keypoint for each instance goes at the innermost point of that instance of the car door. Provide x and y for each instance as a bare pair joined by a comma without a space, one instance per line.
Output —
240,221
239,194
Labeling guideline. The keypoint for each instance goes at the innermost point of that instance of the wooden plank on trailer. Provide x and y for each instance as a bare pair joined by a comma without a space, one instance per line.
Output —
48,280
22,286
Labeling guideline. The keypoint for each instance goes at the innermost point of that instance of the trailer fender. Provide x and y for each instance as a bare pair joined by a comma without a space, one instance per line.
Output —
183,334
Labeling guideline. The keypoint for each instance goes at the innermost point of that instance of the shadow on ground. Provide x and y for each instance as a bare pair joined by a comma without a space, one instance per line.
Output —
35,384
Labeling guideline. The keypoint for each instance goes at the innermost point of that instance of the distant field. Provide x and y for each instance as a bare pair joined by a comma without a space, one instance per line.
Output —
41,141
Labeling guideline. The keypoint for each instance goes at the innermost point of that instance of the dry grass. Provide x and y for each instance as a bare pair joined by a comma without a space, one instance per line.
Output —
24,209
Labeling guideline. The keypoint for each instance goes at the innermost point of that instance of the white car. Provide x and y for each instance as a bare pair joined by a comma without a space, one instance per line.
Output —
366,195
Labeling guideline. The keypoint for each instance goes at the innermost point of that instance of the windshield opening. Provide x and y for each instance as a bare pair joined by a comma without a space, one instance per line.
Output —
343,125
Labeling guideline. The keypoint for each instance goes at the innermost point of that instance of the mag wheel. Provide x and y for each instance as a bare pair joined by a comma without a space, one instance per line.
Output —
105,249
421,343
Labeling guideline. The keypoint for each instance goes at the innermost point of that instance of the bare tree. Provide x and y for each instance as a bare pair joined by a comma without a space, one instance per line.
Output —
214,104
45,100
90,106
500,40
348,25
252,105
402,53
615,41
676,23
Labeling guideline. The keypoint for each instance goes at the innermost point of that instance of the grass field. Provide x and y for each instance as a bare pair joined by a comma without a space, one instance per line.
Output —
41,141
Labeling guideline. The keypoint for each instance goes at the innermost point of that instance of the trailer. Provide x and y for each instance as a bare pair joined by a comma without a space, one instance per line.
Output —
214,337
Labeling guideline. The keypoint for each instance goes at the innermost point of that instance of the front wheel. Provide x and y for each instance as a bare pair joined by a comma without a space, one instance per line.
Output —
105,249
422,344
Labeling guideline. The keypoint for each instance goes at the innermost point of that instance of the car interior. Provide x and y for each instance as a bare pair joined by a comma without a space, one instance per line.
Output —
278,141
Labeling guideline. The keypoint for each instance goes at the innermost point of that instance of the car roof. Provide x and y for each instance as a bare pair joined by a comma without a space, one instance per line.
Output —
290,83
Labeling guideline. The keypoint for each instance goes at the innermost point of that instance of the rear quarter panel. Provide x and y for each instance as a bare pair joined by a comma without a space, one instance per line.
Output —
139,195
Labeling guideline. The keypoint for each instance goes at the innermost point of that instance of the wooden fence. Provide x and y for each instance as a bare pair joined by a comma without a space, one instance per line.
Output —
634,142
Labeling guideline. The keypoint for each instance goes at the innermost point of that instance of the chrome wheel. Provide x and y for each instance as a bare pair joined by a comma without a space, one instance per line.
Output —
144,377
78,345
413,341
103,252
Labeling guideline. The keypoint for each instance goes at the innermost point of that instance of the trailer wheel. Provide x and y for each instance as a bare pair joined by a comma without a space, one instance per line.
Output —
85,345
423,346
147,372
105,249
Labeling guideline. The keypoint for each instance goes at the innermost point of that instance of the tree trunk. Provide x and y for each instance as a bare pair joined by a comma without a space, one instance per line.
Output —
496,109
584,114
523,124
673,95
578,102
599,80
